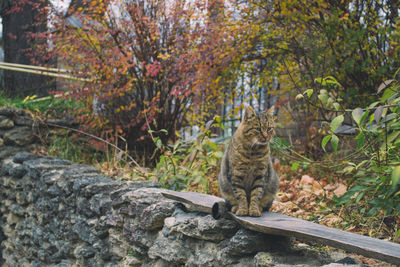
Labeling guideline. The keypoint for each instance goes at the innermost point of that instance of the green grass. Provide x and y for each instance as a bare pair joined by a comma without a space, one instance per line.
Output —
41,105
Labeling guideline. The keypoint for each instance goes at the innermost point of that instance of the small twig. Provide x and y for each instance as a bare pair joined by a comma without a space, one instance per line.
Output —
154,141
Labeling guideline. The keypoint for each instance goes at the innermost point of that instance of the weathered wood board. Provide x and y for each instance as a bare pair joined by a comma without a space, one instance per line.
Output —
278,224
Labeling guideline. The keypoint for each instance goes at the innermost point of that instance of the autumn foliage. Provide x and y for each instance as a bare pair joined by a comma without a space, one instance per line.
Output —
168,64
140,56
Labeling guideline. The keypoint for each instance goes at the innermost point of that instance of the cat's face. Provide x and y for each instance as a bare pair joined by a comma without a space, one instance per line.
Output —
257,129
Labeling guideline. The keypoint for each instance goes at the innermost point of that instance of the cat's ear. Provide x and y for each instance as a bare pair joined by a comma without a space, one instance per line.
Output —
270,111
248,113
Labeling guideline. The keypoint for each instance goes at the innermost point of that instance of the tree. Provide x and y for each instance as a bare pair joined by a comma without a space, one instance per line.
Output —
19,19
138,54
354,41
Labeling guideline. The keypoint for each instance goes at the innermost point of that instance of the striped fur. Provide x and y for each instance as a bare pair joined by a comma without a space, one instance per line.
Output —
247,179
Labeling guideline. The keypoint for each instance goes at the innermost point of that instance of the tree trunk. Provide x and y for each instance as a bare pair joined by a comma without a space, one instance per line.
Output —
16,29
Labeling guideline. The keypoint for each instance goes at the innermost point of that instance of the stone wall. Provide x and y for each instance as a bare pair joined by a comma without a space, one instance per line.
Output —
55,213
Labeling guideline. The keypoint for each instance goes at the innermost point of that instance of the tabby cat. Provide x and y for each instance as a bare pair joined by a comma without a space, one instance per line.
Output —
247,179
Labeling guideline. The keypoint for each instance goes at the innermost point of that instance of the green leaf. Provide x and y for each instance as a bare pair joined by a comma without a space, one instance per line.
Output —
359,196
295,166
213,145
325,140
387,94
374,104
395,74
357,115
176,146
378,113
164,131
323,98
318,80
398,233
336,105
330,101
335,142
219,154
391,137
395,176
332,80
360,140
364,116
372,211
384,85
158,143
309,92
210,122
389,117
348,169
336,122
371,118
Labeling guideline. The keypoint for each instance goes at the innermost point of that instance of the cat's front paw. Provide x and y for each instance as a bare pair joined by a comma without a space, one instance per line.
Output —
234,208
242,212
255,212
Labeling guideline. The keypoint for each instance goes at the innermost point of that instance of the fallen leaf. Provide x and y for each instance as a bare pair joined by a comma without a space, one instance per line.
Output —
292,195
284,198
329,187
323,183
319,192
306,180
331,219
316,185
340,190
307,187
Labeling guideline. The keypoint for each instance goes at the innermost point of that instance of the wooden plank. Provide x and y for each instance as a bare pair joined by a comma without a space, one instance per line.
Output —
274,223
200,202
279,224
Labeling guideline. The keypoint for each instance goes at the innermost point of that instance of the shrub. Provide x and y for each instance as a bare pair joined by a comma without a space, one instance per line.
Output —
376,177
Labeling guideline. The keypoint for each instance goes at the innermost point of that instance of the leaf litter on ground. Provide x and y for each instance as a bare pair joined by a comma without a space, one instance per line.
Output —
308,195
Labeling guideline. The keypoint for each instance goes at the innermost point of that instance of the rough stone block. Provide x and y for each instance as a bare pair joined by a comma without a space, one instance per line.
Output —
20,136
101,187
25,120
21,157
246,242
83,251
8,151
6,123
169,250
100,203
203,227
154,215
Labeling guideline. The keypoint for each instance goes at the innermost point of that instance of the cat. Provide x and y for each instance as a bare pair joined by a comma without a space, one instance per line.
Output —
247,179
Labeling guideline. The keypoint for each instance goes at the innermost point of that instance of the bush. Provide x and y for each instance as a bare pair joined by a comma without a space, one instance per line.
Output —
137,54
190,165
376,177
